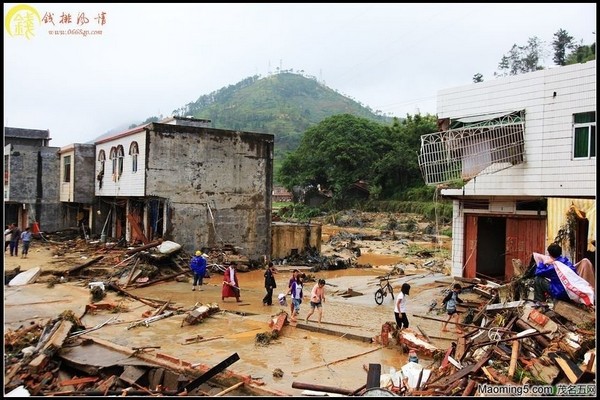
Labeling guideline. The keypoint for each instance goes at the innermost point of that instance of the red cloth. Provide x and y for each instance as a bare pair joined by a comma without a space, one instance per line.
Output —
228,290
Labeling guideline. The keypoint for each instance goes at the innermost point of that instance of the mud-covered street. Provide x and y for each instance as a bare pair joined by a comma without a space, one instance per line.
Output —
309,353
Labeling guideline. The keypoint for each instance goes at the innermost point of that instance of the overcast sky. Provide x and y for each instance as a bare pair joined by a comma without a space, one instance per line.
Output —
151,59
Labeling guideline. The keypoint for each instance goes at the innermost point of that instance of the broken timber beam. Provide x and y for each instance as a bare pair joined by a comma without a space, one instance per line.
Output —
571,370
573,313
229,389
424,334
320,388
165,278
509,339
212,372
86,264
473,368
373,376
146,247
461,324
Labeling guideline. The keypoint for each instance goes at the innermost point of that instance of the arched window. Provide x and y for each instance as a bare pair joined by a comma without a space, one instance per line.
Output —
101,162
134,151
120,155
113,159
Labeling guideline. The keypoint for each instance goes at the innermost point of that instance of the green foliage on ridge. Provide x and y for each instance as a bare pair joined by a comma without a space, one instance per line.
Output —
284,104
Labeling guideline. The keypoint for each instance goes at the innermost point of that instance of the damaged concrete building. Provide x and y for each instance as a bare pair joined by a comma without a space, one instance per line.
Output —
188,183
176,180
522,149
31,179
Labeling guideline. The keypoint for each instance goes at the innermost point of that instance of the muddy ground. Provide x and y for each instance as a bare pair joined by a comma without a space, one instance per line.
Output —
325,356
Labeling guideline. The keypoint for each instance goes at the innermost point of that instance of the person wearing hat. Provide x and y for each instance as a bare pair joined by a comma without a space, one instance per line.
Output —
198,267
317,298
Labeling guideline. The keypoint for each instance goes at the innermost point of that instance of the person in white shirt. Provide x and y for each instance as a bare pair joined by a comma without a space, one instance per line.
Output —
400,307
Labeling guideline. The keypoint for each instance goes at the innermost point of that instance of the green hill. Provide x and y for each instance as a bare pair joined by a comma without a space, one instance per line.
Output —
285,105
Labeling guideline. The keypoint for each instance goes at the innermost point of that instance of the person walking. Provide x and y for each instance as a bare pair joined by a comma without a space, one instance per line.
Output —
198,267
7,235
26,238
317,298
231,286
293,278
451,300
296,292
15,236
400,307
270,284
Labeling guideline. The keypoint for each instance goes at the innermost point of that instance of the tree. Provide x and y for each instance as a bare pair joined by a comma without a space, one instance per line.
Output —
477,78
582,54
562,42
398,170
522,59
337,152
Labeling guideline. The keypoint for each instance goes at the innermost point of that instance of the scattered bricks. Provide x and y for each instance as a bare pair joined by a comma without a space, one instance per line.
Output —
167,357
92,308
186,364
538,318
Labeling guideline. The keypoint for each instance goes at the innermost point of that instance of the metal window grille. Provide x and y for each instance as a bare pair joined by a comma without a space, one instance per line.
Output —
479,148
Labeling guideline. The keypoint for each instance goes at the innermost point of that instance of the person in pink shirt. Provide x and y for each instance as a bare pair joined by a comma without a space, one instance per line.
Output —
317,298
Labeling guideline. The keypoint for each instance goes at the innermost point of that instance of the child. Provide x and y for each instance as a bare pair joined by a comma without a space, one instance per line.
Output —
317,298
450,301
400,307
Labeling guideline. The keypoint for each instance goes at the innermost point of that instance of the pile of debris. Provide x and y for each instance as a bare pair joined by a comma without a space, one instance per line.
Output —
506,343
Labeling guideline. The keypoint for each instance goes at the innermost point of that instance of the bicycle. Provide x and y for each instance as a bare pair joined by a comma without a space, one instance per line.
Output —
384,288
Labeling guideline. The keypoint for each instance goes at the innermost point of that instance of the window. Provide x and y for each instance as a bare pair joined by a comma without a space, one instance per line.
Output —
584,135
113,159
134,151
102,162
120,155
67,169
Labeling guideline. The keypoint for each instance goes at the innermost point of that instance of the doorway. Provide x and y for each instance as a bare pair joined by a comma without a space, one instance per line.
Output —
491,245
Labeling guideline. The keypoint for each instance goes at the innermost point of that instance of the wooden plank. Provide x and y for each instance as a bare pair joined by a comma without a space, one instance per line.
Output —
469,388
424,334
320,329
134,222
573,313
337,361
448,380
461,348
86,264
132,272
516,345
321,388
211,372
505,306
229,389
131,373
373,376
571,370
448,354
79,381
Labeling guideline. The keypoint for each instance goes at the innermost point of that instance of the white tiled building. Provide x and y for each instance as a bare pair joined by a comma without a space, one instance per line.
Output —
526,147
